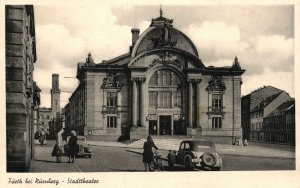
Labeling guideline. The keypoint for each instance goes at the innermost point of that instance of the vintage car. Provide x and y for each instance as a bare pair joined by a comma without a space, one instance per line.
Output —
84,149
196,153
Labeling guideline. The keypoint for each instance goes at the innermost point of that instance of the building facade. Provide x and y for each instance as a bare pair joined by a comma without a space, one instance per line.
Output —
36,107
21,100
161,87
250,101
279,126
45,116
258,105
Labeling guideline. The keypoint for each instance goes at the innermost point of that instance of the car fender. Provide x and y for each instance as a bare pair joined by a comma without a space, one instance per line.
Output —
190,163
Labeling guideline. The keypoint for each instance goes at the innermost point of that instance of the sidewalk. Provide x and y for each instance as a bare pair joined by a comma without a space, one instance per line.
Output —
173,144
44,162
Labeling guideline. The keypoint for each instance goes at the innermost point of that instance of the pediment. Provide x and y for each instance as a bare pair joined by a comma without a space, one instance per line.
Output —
165,57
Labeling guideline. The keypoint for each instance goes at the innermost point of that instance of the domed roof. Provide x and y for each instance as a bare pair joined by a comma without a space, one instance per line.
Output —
162,34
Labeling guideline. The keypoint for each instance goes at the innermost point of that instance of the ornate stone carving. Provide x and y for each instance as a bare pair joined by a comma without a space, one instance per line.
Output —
216,84
28,42
160,52
194,80
236,64
138,80
89,59
164,39
111,81
165,62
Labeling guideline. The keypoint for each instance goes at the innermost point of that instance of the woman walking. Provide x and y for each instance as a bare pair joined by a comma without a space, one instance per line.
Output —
148,153
72,147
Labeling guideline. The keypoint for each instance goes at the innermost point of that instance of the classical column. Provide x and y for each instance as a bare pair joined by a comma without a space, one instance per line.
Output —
198,81
119,100
190,103
134,103
142,102
119,109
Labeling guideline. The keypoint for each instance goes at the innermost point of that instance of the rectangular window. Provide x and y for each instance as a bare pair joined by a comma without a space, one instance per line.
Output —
216,101
177,98
217,122
260,126
165,99
164,77
153,99
112,121
111,99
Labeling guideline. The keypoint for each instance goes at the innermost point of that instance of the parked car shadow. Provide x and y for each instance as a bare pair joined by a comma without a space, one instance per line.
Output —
129,170
184,169
46,161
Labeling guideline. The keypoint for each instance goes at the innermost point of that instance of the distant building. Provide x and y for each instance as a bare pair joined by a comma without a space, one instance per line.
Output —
55,94
55,124
67,117
76,110
45,116
258,105
36,106
22,95
161,87
48,115
279,126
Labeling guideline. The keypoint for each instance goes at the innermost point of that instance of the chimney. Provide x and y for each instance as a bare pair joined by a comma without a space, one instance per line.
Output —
135,35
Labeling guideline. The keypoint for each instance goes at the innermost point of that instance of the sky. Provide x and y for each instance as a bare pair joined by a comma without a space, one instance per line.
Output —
262,37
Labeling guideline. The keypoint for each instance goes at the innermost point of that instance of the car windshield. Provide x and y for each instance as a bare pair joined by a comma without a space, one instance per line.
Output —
198,146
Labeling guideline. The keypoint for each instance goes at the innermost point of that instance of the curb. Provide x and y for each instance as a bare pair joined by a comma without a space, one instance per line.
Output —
237,155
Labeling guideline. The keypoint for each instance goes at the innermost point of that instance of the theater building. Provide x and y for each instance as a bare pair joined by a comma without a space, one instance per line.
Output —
160,87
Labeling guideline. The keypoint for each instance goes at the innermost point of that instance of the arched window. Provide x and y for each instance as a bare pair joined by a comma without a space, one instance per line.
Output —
165,89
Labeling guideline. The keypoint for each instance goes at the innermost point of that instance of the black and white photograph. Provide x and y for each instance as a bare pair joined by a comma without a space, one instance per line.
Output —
164,89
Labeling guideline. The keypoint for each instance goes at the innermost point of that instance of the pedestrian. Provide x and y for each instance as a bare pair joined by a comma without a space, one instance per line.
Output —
60,145
245,142
72,147
42,137
148,153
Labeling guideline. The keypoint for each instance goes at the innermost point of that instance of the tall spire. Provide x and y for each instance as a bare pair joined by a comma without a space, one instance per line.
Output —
160,11
161,21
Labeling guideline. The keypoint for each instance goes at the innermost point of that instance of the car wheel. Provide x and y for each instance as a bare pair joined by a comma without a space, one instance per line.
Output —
188,163
160,165
209,159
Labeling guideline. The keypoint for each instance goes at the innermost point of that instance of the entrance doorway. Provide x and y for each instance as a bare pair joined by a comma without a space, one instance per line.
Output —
153,127
164,125
179,128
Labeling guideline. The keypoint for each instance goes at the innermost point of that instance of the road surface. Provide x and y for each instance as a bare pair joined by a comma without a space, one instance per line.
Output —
114,159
